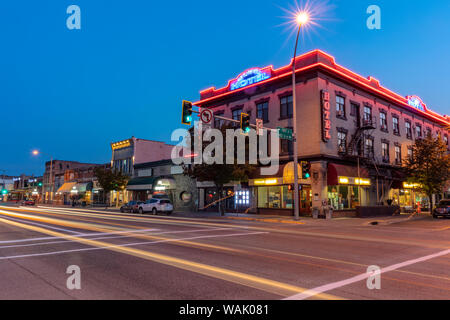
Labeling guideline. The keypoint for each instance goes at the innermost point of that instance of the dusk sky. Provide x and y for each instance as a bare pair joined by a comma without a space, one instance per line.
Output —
69,93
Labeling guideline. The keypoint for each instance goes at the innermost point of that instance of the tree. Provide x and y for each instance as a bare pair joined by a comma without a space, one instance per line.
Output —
110,180
428,166
220,174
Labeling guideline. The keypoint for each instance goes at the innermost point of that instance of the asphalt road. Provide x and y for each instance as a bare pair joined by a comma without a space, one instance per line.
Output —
132,256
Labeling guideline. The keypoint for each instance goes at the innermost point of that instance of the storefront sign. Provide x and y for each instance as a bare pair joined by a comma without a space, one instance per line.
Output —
250,77
326,118
416,102
407,185
269,181
354,181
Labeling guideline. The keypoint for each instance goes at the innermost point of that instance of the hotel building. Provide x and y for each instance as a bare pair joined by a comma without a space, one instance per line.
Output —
354,132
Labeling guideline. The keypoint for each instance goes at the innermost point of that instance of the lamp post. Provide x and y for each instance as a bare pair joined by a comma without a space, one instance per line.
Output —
302,19
36,152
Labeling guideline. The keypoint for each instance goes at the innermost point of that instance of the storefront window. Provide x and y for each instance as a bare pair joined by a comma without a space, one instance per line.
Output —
343,197
277,197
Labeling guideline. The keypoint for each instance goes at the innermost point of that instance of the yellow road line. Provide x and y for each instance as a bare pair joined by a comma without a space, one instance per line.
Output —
81,225
259,283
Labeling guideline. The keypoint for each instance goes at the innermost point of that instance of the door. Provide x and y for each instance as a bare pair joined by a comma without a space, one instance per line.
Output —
305,196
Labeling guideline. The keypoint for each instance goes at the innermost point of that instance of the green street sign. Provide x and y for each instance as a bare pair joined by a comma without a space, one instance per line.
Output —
285,133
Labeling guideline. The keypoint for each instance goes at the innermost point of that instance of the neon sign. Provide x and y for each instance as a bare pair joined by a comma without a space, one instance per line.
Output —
416,102
326,119
249,77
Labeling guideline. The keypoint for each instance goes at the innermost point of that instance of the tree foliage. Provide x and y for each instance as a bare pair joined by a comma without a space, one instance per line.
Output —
429,165
110,180
220,174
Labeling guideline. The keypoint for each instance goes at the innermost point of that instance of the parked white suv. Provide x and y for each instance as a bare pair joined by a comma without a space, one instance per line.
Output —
156,205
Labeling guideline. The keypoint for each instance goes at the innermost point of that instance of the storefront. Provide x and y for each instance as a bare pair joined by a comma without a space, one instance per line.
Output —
347,187
408,196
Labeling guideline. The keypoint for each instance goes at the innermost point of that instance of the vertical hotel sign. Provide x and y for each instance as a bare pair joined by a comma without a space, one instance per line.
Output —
326,117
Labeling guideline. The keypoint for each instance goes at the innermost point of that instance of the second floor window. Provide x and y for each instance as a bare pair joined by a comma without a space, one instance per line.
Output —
218,123
418,131
446,139
340,106
385,151
368,144
237,114
408,129
398,154
428,132
383,121
395,125
262,111
342,141
286,109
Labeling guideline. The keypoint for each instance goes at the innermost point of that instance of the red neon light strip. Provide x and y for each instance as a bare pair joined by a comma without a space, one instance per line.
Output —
396,97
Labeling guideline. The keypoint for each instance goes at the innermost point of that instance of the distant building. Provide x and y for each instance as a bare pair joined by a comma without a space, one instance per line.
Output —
130,152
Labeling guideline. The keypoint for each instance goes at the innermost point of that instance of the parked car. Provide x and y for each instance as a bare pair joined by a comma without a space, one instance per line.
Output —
132,206
156,205
442,209
29,202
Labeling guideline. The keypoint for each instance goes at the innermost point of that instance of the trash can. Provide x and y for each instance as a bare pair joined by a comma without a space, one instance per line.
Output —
315,213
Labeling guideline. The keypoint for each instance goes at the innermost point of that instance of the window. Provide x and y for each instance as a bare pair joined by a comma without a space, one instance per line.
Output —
236,114
354,109
367,115
383,121
340,107
343,197
446,139
385,151
408,129
342,141
286,109
428,132
287,146
395,125
218,123
275,197
398,154
418,131
369,147
410,152
262,111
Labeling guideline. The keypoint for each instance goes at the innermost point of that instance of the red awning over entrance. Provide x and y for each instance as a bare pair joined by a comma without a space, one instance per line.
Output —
339,170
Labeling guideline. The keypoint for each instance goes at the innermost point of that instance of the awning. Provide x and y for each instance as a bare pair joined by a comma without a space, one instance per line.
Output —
83,187
67,187
339,170
141,183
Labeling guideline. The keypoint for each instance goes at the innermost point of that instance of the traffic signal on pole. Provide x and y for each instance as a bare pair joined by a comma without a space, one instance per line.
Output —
40,184
186,114
306,169
4,192
245,123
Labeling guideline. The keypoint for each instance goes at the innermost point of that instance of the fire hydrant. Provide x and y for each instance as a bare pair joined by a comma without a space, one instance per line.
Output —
418,207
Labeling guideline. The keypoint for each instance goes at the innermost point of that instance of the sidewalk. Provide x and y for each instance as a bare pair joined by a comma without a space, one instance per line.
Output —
303,220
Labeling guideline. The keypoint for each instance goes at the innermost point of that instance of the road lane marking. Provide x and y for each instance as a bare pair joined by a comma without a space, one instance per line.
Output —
81,225
42,225
105,235
335,285
200,268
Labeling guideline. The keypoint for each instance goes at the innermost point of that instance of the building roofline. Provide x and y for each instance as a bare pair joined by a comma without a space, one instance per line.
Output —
318,59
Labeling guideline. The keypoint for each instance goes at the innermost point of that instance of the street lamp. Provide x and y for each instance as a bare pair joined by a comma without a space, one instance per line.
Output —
36,153
302,19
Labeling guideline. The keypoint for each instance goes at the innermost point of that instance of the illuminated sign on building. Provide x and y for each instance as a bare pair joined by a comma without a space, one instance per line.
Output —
326,118
416,102
250,77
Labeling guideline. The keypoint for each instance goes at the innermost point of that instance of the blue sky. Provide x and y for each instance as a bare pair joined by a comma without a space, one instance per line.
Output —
70,93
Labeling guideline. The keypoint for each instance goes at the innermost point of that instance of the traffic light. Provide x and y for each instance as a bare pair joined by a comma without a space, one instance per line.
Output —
4,192
245,123
306,169
40,184
186,114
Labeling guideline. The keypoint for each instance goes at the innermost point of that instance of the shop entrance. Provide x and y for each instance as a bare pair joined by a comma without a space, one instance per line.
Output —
305,197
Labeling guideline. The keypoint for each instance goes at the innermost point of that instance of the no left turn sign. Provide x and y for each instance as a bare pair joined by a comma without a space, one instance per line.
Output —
206,115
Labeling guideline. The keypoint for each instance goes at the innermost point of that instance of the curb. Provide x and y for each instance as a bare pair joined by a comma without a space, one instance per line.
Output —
267,220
